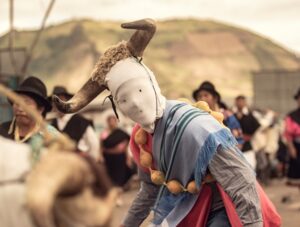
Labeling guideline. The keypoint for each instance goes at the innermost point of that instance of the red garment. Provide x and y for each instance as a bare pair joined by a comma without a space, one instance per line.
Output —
292,129
135,150
198,215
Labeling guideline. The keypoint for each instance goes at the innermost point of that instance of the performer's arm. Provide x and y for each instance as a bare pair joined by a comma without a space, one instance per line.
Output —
142,203
238,180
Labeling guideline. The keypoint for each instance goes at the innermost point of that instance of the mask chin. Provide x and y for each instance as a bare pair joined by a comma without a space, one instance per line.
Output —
144,121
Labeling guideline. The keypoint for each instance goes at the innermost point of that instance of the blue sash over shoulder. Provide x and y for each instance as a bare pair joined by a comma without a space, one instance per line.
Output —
184,142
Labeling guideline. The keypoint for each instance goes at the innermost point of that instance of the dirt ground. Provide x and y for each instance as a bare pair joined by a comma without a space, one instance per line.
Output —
289,211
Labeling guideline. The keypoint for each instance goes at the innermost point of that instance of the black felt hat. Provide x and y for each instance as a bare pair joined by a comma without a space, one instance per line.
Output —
61,90
36,89
209,87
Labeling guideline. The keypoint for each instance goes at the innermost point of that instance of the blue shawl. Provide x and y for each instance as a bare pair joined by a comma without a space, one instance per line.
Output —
184,141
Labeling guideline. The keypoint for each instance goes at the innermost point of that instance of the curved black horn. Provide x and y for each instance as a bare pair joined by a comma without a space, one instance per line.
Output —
140,39
83,97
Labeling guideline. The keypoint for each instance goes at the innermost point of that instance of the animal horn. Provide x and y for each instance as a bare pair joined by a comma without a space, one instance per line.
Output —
83,97
140,39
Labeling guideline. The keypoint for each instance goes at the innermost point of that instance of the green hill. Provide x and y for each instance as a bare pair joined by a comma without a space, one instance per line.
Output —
182,54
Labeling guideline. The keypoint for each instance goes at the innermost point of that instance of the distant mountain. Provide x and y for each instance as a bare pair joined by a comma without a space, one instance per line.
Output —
182,54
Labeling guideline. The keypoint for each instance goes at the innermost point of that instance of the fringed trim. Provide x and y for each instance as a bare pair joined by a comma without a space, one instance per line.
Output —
223,139
108,60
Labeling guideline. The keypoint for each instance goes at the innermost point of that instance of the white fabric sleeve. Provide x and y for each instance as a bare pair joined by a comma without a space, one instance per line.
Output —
90,143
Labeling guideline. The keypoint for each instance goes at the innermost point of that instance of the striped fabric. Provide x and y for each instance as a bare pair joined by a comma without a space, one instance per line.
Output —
184,142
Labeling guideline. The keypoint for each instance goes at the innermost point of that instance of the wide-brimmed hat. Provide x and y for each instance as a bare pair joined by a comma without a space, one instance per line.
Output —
61,90
209,87
36,89
297,95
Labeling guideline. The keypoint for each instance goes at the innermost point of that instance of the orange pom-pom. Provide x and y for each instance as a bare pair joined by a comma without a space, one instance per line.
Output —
174,187
192,188
157,177
145,159
140,137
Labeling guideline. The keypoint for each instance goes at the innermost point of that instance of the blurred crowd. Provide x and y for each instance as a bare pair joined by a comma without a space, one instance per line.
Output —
270,143
268,140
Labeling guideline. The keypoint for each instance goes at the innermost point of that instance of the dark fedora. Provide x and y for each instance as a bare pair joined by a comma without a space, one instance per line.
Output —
209,87
36,89
297,95
61,90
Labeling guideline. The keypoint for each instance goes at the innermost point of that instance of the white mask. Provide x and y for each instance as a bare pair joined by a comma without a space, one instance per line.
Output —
136,92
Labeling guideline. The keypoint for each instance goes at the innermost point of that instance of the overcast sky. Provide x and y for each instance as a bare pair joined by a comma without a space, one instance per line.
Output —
278,20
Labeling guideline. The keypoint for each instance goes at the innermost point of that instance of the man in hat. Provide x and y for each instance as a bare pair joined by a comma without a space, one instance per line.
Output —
23,128
249,126
76,127
175,146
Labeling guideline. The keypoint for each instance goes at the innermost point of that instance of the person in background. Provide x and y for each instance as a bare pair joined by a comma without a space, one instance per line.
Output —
265,143
77,127
114,147
292,135
23,128
207,92
249,125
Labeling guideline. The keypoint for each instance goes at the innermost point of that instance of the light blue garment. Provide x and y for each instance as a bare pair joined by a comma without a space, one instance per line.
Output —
37,142
184,141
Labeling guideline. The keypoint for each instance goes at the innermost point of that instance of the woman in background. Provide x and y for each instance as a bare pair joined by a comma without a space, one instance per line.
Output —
207,92
114,145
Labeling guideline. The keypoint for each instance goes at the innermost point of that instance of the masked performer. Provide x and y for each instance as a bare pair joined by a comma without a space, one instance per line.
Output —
191,169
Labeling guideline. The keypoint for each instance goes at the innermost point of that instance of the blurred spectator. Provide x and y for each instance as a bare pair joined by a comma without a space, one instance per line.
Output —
15,165
292,135
76,127
265,142
207,92
249,125
282,156
23,128
114,146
